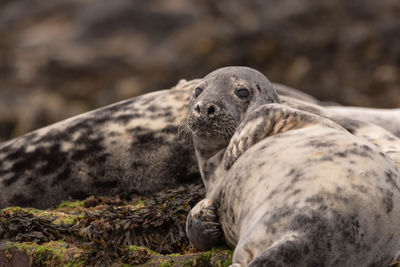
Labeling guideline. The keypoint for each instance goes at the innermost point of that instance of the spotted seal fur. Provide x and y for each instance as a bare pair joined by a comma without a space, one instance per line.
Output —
130,147
287,187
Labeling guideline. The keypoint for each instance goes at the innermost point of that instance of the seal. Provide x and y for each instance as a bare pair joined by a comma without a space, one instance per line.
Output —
287,187
386,118
130,147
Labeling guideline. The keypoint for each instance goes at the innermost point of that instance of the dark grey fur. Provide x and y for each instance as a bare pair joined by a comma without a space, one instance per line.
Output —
127,148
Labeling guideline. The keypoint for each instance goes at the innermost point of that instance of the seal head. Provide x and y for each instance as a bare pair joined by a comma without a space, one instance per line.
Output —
223,98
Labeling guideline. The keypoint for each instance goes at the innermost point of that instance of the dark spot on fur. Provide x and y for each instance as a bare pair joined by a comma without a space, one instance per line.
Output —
125,118
171,129
340,154
295,174
320,143
365,147
63,176
152,108
359,188
113,133
387,201
272,194
315,199
296,191
391,178
326,158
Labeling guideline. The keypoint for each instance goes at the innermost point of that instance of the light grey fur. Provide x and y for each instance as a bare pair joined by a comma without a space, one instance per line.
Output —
291,188
129,147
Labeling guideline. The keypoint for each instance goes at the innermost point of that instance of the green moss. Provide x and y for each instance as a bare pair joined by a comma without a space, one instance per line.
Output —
187,263
203,260
227,262
208,254
222,248
136,248
60,217
67,220
166,263
11,210
71,204
138,204
174,255
52,253
76,263
133,248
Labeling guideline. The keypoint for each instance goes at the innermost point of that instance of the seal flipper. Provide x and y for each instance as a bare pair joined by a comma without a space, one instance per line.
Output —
290,250
283,254
267,120
202,227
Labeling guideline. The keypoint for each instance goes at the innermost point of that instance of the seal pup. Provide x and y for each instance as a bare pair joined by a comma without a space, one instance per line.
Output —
287,187
130,147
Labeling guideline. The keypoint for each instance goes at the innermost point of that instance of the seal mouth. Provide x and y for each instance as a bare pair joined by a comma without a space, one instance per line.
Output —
217,127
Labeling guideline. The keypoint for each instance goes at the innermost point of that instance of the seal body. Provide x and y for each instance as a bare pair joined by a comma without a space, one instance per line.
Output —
314,196
289,188
130,147
386,118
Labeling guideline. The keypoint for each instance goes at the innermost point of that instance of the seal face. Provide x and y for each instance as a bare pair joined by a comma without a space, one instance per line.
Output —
291,188
231,89
218,104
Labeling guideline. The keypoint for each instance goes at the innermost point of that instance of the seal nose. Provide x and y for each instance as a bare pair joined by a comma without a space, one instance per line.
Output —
197,108
208,110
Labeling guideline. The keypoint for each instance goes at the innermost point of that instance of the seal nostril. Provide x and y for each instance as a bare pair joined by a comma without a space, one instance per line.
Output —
210,110
197,108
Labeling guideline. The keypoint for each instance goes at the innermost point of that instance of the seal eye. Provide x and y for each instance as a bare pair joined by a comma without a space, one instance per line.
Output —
197,91
242,93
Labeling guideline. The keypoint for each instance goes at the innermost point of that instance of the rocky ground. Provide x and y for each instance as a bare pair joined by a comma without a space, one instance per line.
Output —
103,231
60,58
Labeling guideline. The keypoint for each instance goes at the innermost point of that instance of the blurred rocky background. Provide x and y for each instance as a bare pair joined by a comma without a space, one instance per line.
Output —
59,58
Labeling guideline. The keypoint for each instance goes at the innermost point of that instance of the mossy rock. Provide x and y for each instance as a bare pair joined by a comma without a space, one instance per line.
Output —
217,257
53,253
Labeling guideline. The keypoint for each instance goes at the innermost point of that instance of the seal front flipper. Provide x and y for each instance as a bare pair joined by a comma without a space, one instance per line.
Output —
202,227
264,121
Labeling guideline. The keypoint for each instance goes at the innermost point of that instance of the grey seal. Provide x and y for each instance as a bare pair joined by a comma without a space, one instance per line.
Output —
287,187
130,147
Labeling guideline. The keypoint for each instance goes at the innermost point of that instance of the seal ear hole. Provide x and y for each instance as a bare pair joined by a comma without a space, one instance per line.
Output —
258,88
197,91
242,93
